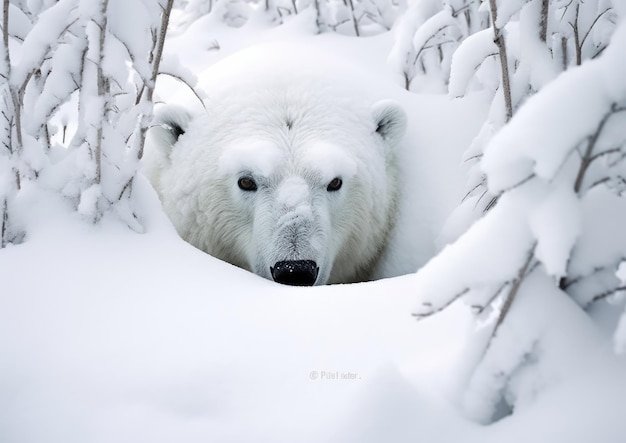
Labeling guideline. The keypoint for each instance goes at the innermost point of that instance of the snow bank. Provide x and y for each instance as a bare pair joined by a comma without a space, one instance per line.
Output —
127,337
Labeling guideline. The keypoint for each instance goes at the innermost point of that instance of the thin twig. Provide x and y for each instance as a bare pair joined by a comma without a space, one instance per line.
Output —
510,298
582,42
156,62
543,20
605,294
440,308
577,45
186,83
591,144
354,20
479,309
5,223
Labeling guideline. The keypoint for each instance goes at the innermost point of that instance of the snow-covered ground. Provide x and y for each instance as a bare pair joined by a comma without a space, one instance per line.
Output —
111,336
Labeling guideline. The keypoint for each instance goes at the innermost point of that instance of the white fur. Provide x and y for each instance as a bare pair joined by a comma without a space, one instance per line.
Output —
291,216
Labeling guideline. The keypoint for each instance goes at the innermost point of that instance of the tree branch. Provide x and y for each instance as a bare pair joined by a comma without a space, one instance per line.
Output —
479,309
432,311
5,223
186,83
5,28
156,62
582,42
543,20
588,156
605,294
498,39
354,20
577,45
510,298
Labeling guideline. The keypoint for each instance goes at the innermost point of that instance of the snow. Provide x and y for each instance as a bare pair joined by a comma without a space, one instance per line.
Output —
507,244
108,335
506,10
89,201
540,68
556,224
559,123
576,112
140,352
126,337
468,58
432,27
49,26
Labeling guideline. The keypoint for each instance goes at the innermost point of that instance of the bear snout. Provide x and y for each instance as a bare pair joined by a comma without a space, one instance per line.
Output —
295,272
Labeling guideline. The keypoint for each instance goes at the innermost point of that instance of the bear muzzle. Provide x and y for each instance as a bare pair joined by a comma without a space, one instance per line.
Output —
295,272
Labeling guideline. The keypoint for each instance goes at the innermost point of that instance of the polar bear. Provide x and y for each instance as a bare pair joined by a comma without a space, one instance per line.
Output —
289,177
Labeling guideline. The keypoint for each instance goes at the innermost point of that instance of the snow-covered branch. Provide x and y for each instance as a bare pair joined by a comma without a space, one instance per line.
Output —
557,226
74,60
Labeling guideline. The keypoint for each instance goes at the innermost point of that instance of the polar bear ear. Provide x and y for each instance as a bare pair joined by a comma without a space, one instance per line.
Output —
170,122
390,121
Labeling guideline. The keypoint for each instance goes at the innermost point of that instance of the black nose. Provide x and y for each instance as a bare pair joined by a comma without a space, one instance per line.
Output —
295,272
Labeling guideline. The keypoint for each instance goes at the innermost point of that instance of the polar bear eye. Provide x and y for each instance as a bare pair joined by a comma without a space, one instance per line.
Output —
334,185
246,184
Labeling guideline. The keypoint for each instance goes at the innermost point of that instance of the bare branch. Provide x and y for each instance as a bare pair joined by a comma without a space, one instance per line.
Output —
102,87
567,282
591,144
481,197
577,45
426,43
498,39
471,191
605,294
5,222
510,298
455,12
520,183
603,153
543,21
165,18
491,204
432,311
183,81
582,42
354,20
479,309
156,62
5,30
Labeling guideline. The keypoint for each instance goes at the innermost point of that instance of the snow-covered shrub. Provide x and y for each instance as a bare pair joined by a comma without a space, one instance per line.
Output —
554,237
350,17
359,17
69,52
427,36
526,47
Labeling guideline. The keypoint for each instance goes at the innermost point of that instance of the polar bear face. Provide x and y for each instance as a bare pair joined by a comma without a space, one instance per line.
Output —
296,187
298,208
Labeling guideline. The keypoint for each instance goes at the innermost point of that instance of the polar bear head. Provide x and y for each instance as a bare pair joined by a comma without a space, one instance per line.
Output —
294,182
